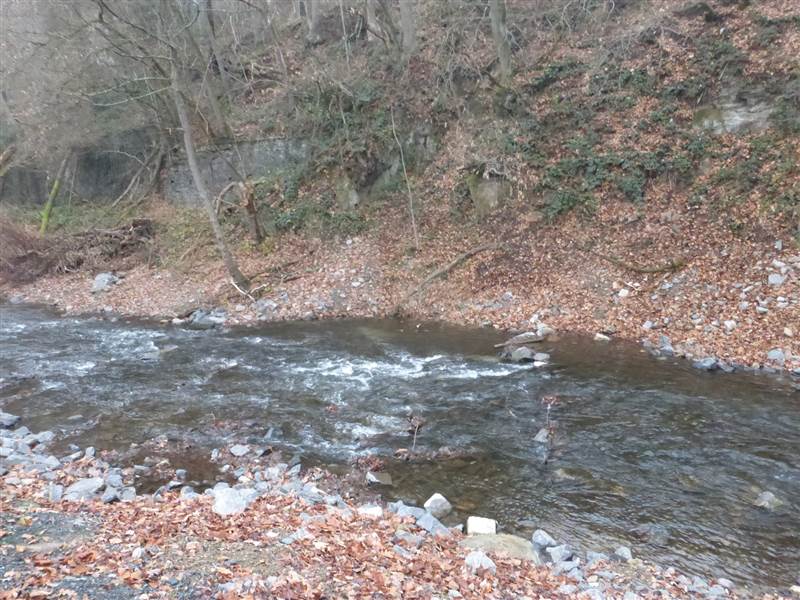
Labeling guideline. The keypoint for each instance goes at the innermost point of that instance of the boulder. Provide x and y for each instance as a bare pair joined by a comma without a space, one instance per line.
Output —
104,282
84,489
560,553
623,553
438,505
432,525
502,544
767,500
481,526
521,354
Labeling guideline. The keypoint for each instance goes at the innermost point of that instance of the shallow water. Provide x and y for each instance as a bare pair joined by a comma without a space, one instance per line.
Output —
648,453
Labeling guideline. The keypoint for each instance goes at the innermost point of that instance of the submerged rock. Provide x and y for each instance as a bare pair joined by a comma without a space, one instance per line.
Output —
378,478
542,540
767,500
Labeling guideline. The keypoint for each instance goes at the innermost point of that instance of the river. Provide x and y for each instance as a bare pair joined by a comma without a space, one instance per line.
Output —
645,452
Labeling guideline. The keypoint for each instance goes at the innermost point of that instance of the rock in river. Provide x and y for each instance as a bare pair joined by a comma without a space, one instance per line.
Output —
541,540
767,500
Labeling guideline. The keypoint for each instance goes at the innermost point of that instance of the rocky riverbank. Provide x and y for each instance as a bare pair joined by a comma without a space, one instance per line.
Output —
76,526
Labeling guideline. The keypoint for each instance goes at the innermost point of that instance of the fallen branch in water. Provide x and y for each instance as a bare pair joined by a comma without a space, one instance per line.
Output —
441,273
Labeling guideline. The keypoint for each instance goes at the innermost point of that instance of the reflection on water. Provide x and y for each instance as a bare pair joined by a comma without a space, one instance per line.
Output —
648,453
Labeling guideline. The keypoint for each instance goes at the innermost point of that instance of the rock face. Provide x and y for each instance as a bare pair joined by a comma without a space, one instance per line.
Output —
262,158
438,506
503,543
84,489
104,282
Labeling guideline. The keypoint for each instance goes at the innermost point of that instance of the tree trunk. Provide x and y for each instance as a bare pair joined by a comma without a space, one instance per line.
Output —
248,194
191,159
497,13
372,22
216,49
51,198
313,14
408,23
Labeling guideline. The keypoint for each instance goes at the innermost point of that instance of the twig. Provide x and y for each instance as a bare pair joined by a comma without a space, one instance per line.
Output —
443,271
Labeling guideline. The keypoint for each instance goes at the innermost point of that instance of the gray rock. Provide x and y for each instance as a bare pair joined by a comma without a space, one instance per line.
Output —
542,436
477,561
767,500
776,279
228,501
114,478
110,495
541,357
180,474
565,566
408,538
521,354
7,421
378,478
623,553
542,540
54,492
432,525
127,494
503,544
567,589
104,282
403,510
726,583
239,450
705,364
188,493
371,510
716,591
559,553
83,489
776,355
89,452
592,558
438,506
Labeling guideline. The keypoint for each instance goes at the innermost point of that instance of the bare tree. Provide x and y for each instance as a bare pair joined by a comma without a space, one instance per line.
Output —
497,14
408,24
313,15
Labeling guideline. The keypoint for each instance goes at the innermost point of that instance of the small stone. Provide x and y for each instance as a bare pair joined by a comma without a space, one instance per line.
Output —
103,282
542,436
601,337
180,474
114,478
239,450
481,526
623,553
624,293
54,492
521,354
378,478
592,558
648,325
776,279
776,355
787,331
560,553
477,561
89,452
371,510
567,588
438,506
137,553
127,494
730,325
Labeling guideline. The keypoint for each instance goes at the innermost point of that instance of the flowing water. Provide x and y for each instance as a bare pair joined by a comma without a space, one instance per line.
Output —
648,453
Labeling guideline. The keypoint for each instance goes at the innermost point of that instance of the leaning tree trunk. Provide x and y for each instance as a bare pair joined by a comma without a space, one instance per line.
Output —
191,159
216,49
313,13
51,198
497,14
